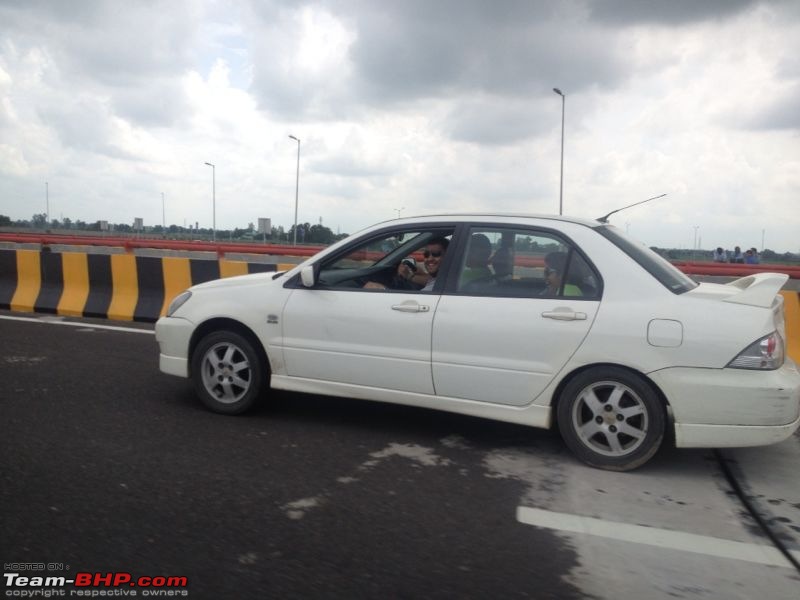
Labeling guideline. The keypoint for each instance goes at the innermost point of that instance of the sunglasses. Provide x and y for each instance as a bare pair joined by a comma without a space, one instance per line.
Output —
548,271
429,253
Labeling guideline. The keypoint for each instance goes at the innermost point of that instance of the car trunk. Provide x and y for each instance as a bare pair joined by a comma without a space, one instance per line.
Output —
760,289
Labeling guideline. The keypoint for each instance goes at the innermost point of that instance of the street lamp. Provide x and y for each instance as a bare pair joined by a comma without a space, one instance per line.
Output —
399,210
696,227
163,216
561,190
296,187
213,202
47,201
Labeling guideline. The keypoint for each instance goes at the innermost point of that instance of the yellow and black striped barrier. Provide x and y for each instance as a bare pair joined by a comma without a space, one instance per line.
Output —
791,313
122,287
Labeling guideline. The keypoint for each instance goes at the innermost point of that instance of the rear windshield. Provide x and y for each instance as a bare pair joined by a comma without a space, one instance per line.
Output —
670,277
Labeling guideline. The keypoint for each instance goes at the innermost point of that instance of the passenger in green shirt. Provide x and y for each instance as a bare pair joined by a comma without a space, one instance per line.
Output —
477,264
554,265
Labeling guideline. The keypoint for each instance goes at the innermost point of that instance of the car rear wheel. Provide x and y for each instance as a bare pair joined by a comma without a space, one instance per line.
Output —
228,373
611,418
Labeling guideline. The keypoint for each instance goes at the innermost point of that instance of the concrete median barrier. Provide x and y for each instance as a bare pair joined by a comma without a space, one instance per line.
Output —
121,287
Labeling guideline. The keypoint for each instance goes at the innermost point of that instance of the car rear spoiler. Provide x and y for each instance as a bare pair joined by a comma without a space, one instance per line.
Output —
758,289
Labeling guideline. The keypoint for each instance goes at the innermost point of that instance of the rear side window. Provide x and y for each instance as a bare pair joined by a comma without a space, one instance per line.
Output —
665,272
523,263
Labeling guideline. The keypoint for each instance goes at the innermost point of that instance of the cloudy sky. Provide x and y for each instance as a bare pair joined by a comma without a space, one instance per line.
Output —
411,107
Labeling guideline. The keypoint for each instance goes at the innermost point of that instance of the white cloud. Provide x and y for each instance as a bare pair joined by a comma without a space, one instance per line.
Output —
425,106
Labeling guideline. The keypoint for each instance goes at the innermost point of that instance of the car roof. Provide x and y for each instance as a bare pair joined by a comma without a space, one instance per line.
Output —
499,215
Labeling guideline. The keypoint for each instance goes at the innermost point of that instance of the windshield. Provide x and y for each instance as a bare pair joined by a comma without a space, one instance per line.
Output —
668,274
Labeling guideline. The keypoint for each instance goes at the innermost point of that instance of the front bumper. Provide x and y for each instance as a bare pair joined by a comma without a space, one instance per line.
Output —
714,408
173,335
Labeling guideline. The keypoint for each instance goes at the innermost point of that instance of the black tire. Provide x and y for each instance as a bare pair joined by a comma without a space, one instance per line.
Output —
228,373
611,418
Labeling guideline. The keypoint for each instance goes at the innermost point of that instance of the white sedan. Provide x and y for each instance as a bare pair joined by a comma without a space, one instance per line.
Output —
530,320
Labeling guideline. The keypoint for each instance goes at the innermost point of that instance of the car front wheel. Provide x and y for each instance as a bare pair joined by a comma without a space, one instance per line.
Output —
228,373
611,418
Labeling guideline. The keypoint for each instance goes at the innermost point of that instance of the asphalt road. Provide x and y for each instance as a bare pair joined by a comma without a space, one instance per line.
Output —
110,466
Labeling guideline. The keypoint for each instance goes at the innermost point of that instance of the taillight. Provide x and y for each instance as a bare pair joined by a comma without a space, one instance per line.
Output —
766,354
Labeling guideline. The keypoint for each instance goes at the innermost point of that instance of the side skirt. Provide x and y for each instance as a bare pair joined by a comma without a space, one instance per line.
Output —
533,415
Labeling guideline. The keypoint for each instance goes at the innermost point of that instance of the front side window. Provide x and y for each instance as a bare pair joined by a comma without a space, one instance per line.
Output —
524,263
405,260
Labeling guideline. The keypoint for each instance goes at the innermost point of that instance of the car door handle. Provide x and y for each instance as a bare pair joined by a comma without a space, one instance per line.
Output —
411,307
564,315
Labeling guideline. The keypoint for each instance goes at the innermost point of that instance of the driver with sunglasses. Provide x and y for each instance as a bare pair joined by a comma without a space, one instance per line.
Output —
433,254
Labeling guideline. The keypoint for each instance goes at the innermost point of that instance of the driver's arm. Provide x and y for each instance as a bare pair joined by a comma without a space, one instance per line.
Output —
404,274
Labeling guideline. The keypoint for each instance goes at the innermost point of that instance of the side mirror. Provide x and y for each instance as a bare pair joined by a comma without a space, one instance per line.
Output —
307,276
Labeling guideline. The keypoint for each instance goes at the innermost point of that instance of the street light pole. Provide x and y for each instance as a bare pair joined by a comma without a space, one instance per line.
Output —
296,187
47,201
561,188
399,210
163,215
213,202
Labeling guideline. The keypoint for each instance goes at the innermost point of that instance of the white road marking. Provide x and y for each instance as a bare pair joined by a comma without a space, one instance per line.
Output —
51,321
654,536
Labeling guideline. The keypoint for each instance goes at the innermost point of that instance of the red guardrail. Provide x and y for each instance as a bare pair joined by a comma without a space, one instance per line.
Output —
734,270
157,244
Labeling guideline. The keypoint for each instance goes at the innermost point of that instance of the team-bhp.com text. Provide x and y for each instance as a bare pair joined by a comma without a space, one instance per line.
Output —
94,585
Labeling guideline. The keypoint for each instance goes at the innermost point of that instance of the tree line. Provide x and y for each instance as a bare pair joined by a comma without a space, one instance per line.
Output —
306,232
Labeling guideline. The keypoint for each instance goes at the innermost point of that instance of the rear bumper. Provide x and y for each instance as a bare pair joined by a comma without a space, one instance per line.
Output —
732,407
731,436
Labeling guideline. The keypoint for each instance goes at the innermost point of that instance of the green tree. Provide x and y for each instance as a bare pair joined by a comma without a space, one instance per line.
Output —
39,220
5,221
319,234
768,255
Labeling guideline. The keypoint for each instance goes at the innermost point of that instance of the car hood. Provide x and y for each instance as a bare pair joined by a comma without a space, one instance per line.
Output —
238,281
758,289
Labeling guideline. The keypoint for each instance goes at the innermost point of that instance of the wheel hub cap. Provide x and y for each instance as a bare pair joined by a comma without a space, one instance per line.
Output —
610,418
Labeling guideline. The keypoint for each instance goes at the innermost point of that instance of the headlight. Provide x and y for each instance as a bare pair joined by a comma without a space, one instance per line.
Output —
178,301
767,354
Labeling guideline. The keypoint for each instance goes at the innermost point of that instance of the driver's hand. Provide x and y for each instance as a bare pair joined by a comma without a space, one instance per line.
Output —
374,285
404,271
